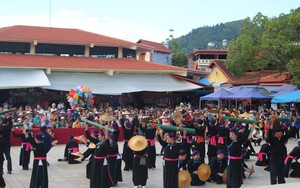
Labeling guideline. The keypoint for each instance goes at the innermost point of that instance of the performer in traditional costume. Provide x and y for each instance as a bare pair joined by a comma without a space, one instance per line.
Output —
127,156
71,147
234,142
114,160
182,162
217,166
25,148
293,155
212,135
90,151
199,139
39,176
278,152
263,157
138,144
151,150
170,167
221,138
193,166
100,177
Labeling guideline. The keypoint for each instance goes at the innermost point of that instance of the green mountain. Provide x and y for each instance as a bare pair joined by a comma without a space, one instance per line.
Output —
200,37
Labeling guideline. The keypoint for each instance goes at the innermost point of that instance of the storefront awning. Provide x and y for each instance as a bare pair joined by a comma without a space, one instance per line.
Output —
118,83
22,78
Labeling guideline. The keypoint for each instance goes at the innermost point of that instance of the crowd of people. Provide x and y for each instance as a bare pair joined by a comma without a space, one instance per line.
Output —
223,145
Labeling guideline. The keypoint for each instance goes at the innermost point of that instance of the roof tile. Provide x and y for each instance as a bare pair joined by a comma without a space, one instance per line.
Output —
157,46
59,62
57,35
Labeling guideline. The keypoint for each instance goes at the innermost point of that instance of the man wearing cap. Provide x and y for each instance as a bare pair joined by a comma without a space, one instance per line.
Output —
217,167
193,166
278,152
293,155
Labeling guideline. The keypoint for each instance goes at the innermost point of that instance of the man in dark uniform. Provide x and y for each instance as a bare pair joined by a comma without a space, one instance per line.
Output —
2,149
6,127
278,152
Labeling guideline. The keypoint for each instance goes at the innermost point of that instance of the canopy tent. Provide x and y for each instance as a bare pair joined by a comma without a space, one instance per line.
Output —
287,98
287,88
220,93
205,82
22,78
250,93
118,83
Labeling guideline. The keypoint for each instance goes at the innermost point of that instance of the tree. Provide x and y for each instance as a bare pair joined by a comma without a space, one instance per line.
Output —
179,59
242,52
267,43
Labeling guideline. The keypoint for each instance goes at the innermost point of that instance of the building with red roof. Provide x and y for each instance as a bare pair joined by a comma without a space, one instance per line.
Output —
160,53
62,58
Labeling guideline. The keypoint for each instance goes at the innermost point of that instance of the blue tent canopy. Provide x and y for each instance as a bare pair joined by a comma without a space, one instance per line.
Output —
287,98
285,89
247,93
205,82
217,95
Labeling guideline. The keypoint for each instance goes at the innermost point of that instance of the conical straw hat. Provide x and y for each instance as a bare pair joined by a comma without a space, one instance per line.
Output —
184,179
137,143
106,117
204,172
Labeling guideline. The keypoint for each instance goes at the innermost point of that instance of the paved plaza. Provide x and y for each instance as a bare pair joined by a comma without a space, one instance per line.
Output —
62,175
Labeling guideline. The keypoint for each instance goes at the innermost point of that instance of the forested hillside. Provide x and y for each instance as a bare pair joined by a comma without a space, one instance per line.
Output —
200,37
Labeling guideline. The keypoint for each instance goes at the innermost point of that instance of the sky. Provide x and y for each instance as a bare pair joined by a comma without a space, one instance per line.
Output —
136,19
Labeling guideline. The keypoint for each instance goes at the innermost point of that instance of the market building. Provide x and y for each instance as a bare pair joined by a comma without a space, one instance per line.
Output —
40,64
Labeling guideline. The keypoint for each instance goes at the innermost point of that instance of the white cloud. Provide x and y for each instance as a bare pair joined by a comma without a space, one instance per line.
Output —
106,25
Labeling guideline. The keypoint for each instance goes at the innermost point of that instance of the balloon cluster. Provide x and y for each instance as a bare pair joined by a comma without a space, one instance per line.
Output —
80,97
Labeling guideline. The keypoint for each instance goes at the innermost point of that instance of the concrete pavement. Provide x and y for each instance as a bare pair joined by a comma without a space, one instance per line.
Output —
62,175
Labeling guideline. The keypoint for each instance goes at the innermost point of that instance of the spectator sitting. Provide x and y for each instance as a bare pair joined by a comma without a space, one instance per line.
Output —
77,123
56,124
256,136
